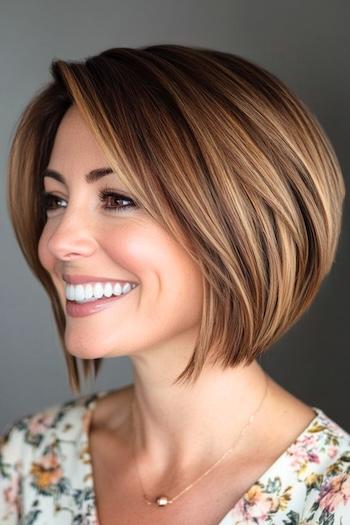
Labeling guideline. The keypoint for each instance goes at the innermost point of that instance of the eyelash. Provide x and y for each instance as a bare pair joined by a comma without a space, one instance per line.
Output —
106,192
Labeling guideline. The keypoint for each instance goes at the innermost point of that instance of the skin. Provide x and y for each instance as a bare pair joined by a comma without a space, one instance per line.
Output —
180,429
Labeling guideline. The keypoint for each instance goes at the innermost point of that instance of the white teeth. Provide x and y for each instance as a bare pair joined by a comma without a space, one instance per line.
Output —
126,287
107,290
70,294
98,290
89,292
83,293
79,293
117,289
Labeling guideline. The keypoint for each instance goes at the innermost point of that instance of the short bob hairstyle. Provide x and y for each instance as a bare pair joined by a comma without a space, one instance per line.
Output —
220,153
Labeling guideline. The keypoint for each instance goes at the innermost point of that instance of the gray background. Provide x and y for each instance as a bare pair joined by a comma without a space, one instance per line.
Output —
306,44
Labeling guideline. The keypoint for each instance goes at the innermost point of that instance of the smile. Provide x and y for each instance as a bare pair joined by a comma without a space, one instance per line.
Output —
89,292
93,305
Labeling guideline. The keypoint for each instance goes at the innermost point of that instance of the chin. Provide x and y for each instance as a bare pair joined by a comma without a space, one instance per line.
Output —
84,349
89,348
85,353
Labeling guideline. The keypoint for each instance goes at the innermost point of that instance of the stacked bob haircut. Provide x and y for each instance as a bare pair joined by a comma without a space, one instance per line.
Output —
220,153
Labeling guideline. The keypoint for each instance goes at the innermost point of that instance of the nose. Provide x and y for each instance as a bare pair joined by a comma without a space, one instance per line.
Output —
71,236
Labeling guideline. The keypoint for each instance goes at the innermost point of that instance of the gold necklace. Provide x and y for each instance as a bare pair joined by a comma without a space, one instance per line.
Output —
162,501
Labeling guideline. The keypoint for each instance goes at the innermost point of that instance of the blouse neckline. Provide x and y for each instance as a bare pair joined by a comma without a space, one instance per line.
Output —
89,407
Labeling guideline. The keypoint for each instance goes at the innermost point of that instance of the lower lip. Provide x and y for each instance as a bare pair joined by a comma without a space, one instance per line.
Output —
81,310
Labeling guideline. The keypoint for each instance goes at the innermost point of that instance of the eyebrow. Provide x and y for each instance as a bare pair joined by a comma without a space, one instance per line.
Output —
90,177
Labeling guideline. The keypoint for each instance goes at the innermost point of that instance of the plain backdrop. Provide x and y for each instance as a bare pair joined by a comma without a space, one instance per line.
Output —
305,44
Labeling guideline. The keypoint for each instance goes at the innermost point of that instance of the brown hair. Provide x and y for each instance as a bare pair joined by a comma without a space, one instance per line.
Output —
225,157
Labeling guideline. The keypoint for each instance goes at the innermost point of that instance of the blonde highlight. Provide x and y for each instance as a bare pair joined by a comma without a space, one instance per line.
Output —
223,155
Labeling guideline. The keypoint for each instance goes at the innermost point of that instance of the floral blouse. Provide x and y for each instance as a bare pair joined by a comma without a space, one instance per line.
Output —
46,474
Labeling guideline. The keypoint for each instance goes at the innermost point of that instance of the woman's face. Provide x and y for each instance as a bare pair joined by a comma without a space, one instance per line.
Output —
106,239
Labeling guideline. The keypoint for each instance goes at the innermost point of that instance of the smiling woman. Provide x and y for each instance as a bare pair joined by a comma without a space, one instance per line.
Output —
182,207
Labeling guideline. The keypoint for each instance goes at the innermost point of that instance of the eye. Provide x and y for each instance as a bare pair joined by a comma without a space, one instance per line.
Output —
47,201
107,194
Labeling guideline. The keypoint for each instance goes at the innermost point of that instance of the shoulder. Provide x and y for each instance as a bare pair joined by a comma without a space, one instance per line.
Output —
325,470
27,445
308,484
30,431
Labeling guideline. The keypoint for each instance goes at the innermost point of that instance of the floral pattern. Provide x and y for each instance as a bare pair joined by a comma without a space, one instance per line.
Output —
46,474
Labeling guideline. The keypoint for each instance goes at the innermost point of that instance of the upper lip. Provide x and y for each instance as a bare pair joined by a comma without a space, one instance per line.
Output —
80,279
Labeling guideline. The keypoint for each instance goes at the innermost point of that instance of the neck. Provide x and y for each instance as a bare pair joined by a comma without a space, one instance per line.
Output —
179,426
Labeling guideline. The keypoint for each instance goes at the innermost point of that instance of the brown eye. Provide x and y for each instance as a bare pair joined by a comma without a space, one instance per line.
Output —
114,198
116,201
48,201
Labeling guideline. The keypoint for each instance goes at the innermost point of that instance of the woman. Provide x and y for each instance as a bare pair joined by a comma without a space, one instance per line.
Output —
180,206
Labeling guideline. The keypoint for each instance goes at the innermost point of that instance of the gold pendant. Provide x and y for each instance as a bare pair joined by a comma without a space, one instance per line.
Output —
162,501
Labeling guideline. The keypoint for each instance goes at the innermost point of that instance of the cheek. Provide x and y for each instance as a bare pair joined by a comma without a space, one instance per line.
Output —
146,251
139,248
161,264
43,253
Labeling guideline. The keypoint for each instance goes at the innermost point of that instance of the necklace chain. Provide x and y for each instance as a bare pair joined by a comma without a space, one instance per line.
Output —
162,501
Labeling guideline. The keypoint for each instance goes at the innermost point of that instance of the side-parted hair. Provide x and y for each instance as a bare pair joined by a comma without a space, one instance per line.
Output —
221,154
